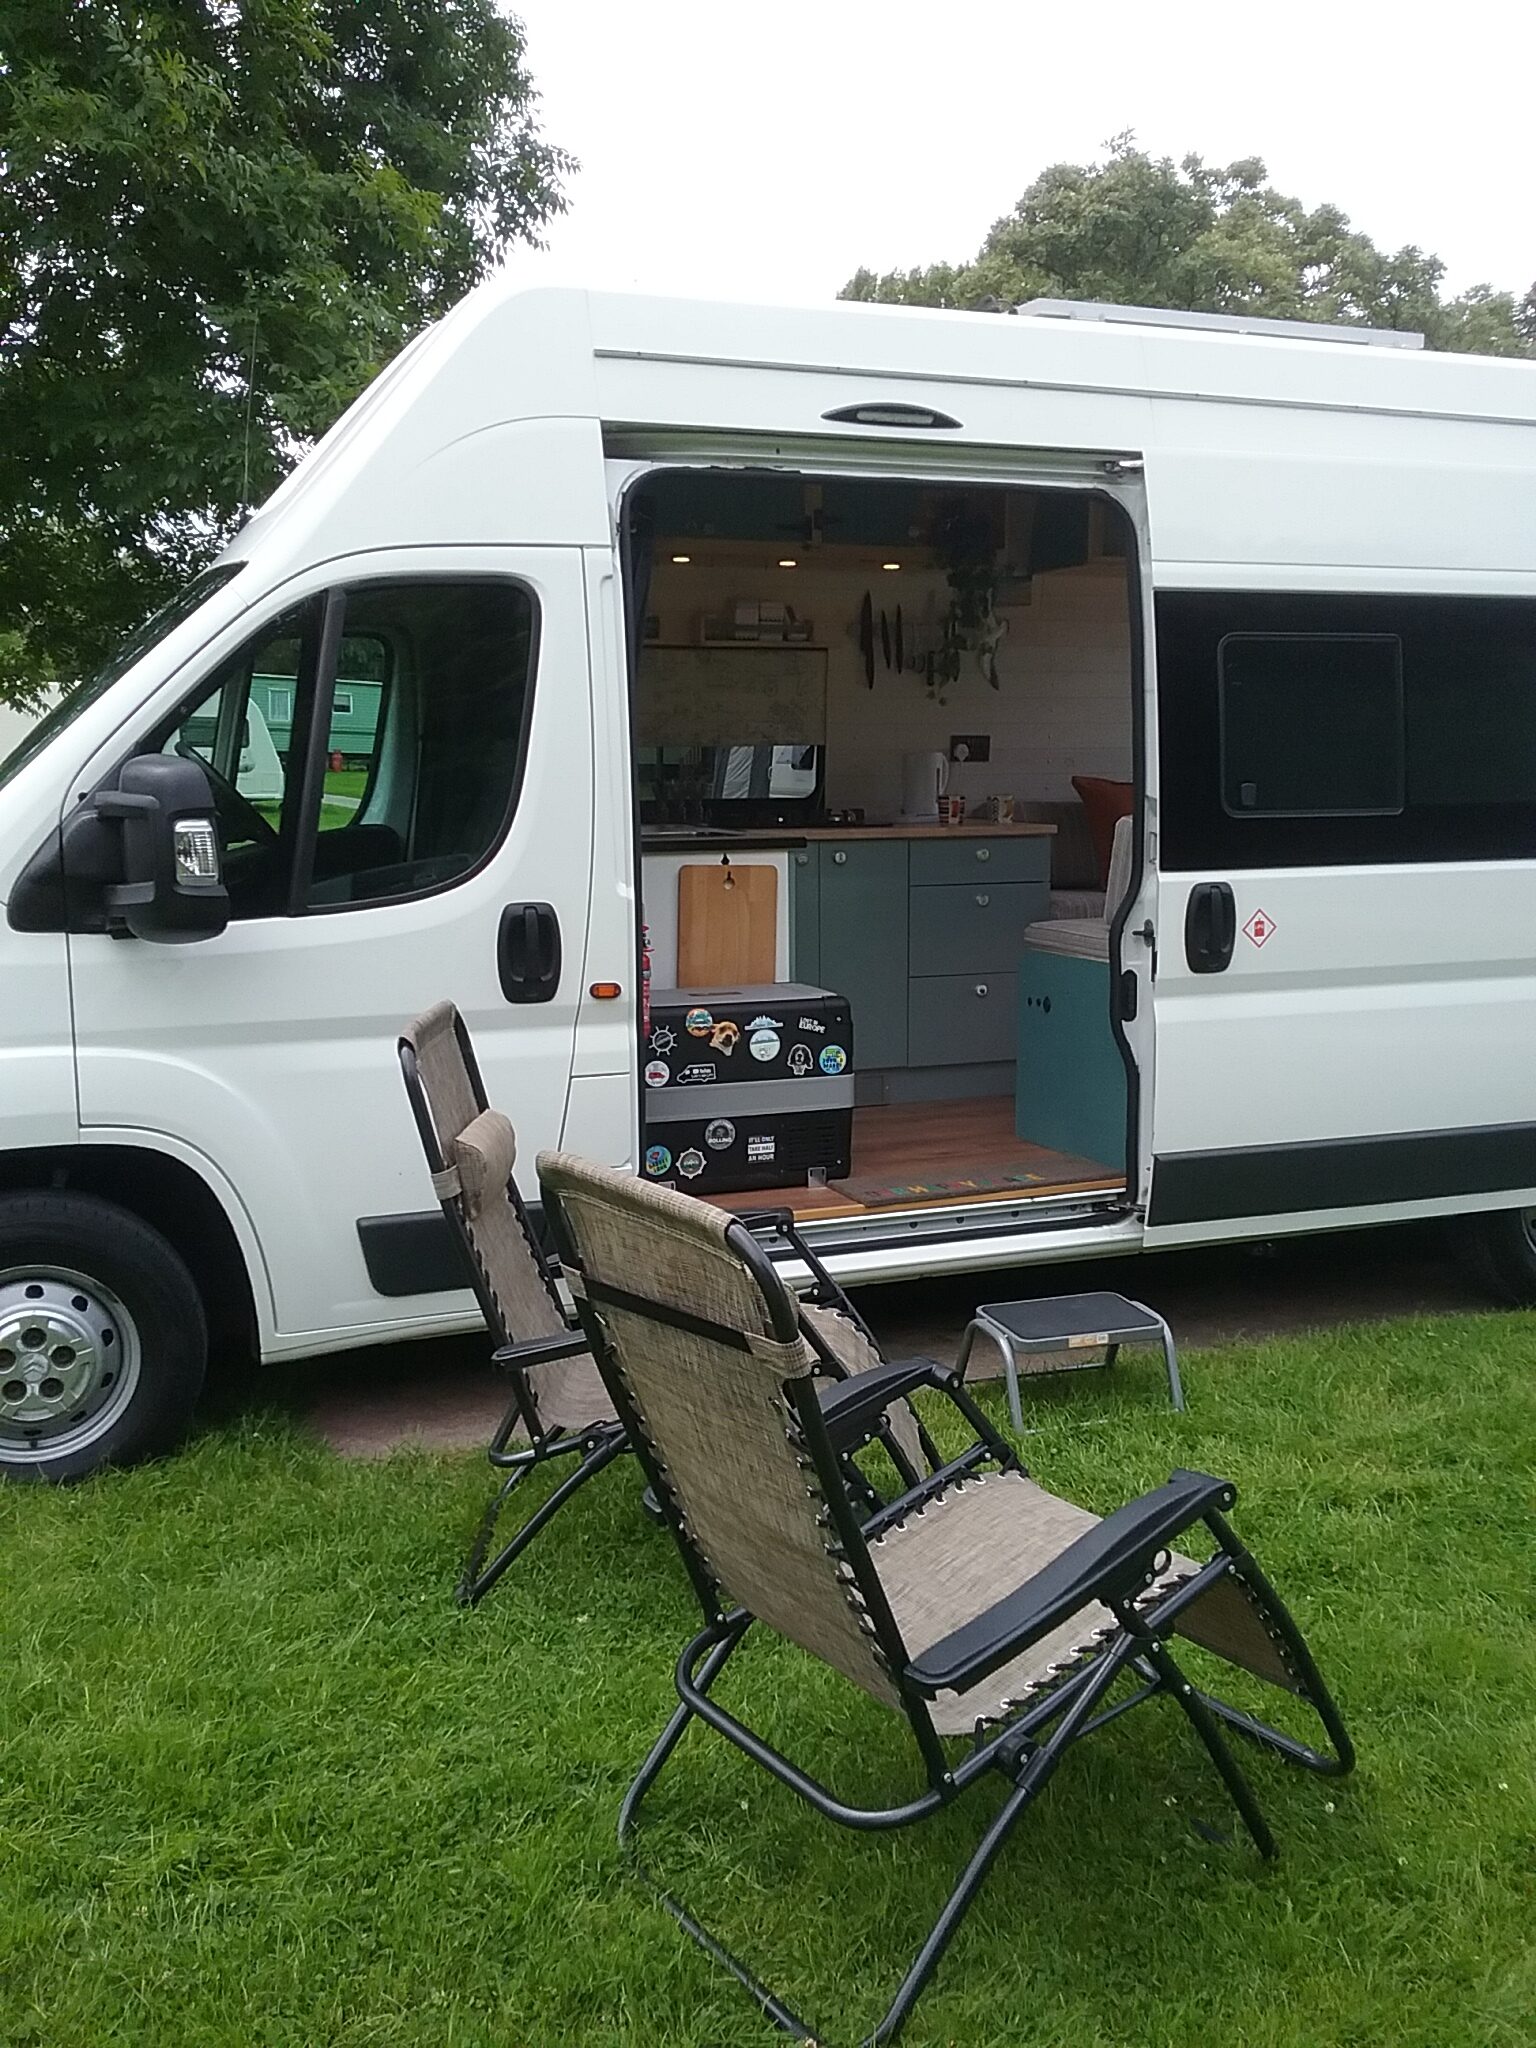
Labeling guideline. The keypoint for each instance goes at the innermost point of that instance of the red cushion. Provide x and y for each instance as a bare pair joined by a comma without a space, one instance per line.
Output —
1106,803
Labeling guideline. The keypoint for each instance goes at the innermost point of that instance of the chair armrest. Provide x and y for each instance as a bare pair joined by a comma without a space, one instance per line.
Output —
538,1351
851,1407
1109,1562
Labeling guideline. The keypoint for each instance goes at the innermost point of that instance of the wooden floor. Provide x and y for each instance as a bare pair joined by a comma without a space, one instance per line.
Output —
925,1141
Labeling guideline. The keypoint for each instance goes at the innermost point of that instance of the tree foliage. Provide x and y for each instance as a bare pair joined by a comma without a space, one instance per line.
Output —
1146,231
218,220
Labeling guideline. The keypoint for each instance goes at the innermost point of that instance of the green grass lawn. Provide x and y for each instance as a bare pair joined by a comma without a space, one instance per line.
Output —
261,1782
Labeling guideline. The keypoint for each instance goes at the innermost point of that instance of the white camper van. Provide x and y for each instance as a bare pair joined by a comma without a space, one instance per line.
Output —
652,587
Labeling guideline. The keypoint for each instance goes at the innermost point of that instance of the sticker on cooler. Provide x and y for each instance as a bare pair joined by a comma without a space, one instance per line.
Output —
700,1023
720,1134
761,1149
764,1045
690,1164
657,1074
1260,926
833,1059
801,1061
657,1159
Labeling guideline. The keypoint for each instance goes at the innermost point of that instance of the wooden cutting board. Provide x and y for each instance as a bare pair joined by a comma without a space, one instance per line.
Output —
727,926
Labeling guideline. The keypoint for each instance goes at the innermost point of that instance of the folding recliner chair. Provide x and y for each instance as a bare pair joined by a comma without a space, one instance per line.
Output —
977,1605
559,1402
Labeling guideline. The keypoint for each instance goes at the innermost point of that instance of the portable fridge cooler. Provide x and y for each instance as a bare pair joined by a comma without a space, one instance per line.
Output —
748,1088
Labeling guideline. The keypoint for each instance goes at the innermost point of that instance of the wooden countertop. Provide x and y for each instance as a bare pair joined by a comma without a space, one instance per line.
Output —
1017,831
760,839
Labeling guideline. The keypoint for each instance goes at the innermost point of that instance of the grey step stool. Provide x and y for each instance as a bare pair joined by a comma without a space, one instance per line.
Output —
1067,1322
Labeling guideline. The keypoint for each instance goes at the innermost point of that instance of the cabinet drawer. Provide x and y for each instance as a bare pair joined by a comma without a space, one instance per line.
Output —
962,860
972,930
958,1020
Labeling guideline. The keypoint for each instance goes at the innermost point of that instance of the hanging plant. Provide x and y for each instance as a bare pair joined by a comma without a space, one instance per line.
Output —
962,538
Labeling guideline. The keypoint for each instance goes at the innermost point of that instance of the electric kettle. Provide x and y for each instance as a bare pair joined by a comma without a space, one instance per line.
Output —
924,779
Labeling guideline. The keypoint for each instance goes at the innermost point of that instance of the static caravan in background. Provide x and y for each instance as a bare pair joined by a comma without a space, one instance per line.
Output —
1225,634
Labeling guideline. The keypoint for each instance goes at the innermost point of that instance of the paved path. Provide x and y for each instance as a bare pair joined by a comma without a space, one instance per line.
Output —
444,1394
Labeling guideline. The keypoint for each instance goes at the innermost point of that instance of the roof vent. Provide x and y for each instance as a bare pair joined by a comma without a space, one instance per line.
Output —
1221,323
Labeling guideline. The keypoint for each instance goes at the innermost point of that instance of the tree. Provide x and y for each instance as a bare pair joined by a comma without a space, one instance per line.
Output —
218,220
1146,231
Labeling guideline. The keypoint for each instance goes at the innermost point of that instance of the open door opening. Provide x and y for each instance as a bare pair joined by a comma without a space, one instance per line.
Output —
886,749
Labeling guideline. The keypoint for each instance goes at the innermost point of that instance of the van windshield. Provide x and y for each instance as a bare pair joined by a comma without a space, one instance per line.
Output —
133,649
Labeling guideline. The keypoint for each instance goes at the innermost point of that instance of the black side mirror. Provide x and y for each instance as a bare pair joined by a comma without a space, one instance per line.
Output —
172,888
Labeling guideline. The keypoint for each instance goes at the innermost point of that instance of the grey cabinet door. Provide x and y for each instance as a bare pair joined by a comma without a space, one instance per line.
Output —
864,944
973,931
805,916
958,1020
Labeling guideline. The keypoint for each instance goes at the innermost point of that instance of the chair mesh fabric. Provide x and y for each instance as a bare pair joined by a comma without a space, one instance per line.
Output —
716,1418
855,1354
988,1535
565,1393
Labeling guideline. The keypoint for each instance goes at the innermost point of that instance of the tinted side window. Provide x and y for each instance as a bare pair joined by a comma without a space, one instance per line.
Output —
1320,730
1311,723
428,712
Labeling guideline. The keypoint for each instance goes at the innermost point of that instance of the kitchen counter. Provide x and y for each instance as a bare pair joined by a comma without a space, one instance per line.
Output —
679,839
976,831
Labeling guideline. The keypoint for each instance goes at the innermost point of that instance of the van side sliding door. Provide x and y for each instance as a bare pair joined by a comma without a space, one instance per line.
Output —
1345,1005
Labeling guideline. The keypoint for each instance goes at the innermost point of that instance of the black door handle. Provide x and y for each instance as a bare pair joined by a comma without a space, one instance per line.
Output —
528,952
1210,927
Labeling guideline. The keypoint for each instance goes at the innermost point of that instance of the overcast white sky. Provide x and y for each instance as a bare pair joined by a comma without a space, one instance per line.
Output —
751,151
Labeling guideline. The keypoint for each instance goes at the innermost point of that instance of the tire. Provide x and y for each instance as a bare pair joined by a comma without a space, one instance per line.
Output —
103,1339
1500,1249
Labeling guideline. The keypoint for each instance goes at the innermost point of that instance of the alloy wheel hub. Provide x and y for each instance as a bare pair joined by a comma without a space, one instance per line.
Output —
64,1363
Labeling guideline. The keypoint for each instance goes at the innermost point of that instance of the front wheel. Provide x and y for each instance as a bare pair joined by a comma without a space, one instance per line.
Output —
103,1340
1500,1247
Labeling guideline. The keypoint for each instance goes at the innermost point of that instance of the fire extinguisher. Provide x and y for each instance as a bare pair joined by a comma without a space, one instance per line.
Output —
645,981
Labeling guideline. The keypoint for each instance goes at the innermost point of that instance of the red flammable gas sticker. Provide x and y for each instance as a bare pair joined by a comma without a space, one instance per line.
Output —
1260,926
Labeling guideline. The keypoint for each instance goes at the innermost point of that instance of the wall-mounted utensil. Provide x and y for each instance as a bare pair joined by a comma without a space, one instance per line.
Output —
885,639
867,639
900,656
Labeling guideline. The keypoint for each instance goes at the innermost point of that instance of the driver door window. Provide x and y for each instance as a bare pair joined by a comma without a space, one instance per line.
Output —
368,745
241,730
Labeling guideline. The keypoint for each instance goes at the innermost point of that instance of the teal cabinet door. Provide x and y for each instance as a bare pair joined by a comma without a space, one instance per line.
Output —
864,944
805,916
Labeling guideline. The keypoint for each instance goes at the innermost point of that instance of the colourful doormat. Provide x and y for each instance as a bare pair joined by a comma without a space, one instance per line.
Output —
976,1180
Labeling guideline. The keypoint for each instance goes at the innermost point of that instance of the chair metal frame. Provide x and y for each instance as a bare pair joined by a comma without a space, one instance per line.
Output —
1115,1564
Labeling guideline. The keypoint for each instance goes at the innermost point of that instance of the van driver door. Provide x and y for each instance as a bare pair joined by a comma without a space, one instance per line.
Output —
396,747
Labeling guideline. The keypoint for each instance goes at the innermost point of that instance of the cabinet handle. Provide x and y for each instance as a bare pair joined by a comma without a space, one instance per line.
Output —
983,853
981,988
983,901
840,857
801,859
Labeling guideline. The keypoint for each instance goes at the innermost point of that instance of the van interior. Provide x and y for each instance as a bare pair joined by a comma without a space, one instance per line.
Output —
911,706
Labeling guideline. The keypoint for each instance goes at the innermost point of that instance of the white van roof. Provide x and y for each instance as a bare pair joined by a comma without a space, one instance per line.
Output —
1268,454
